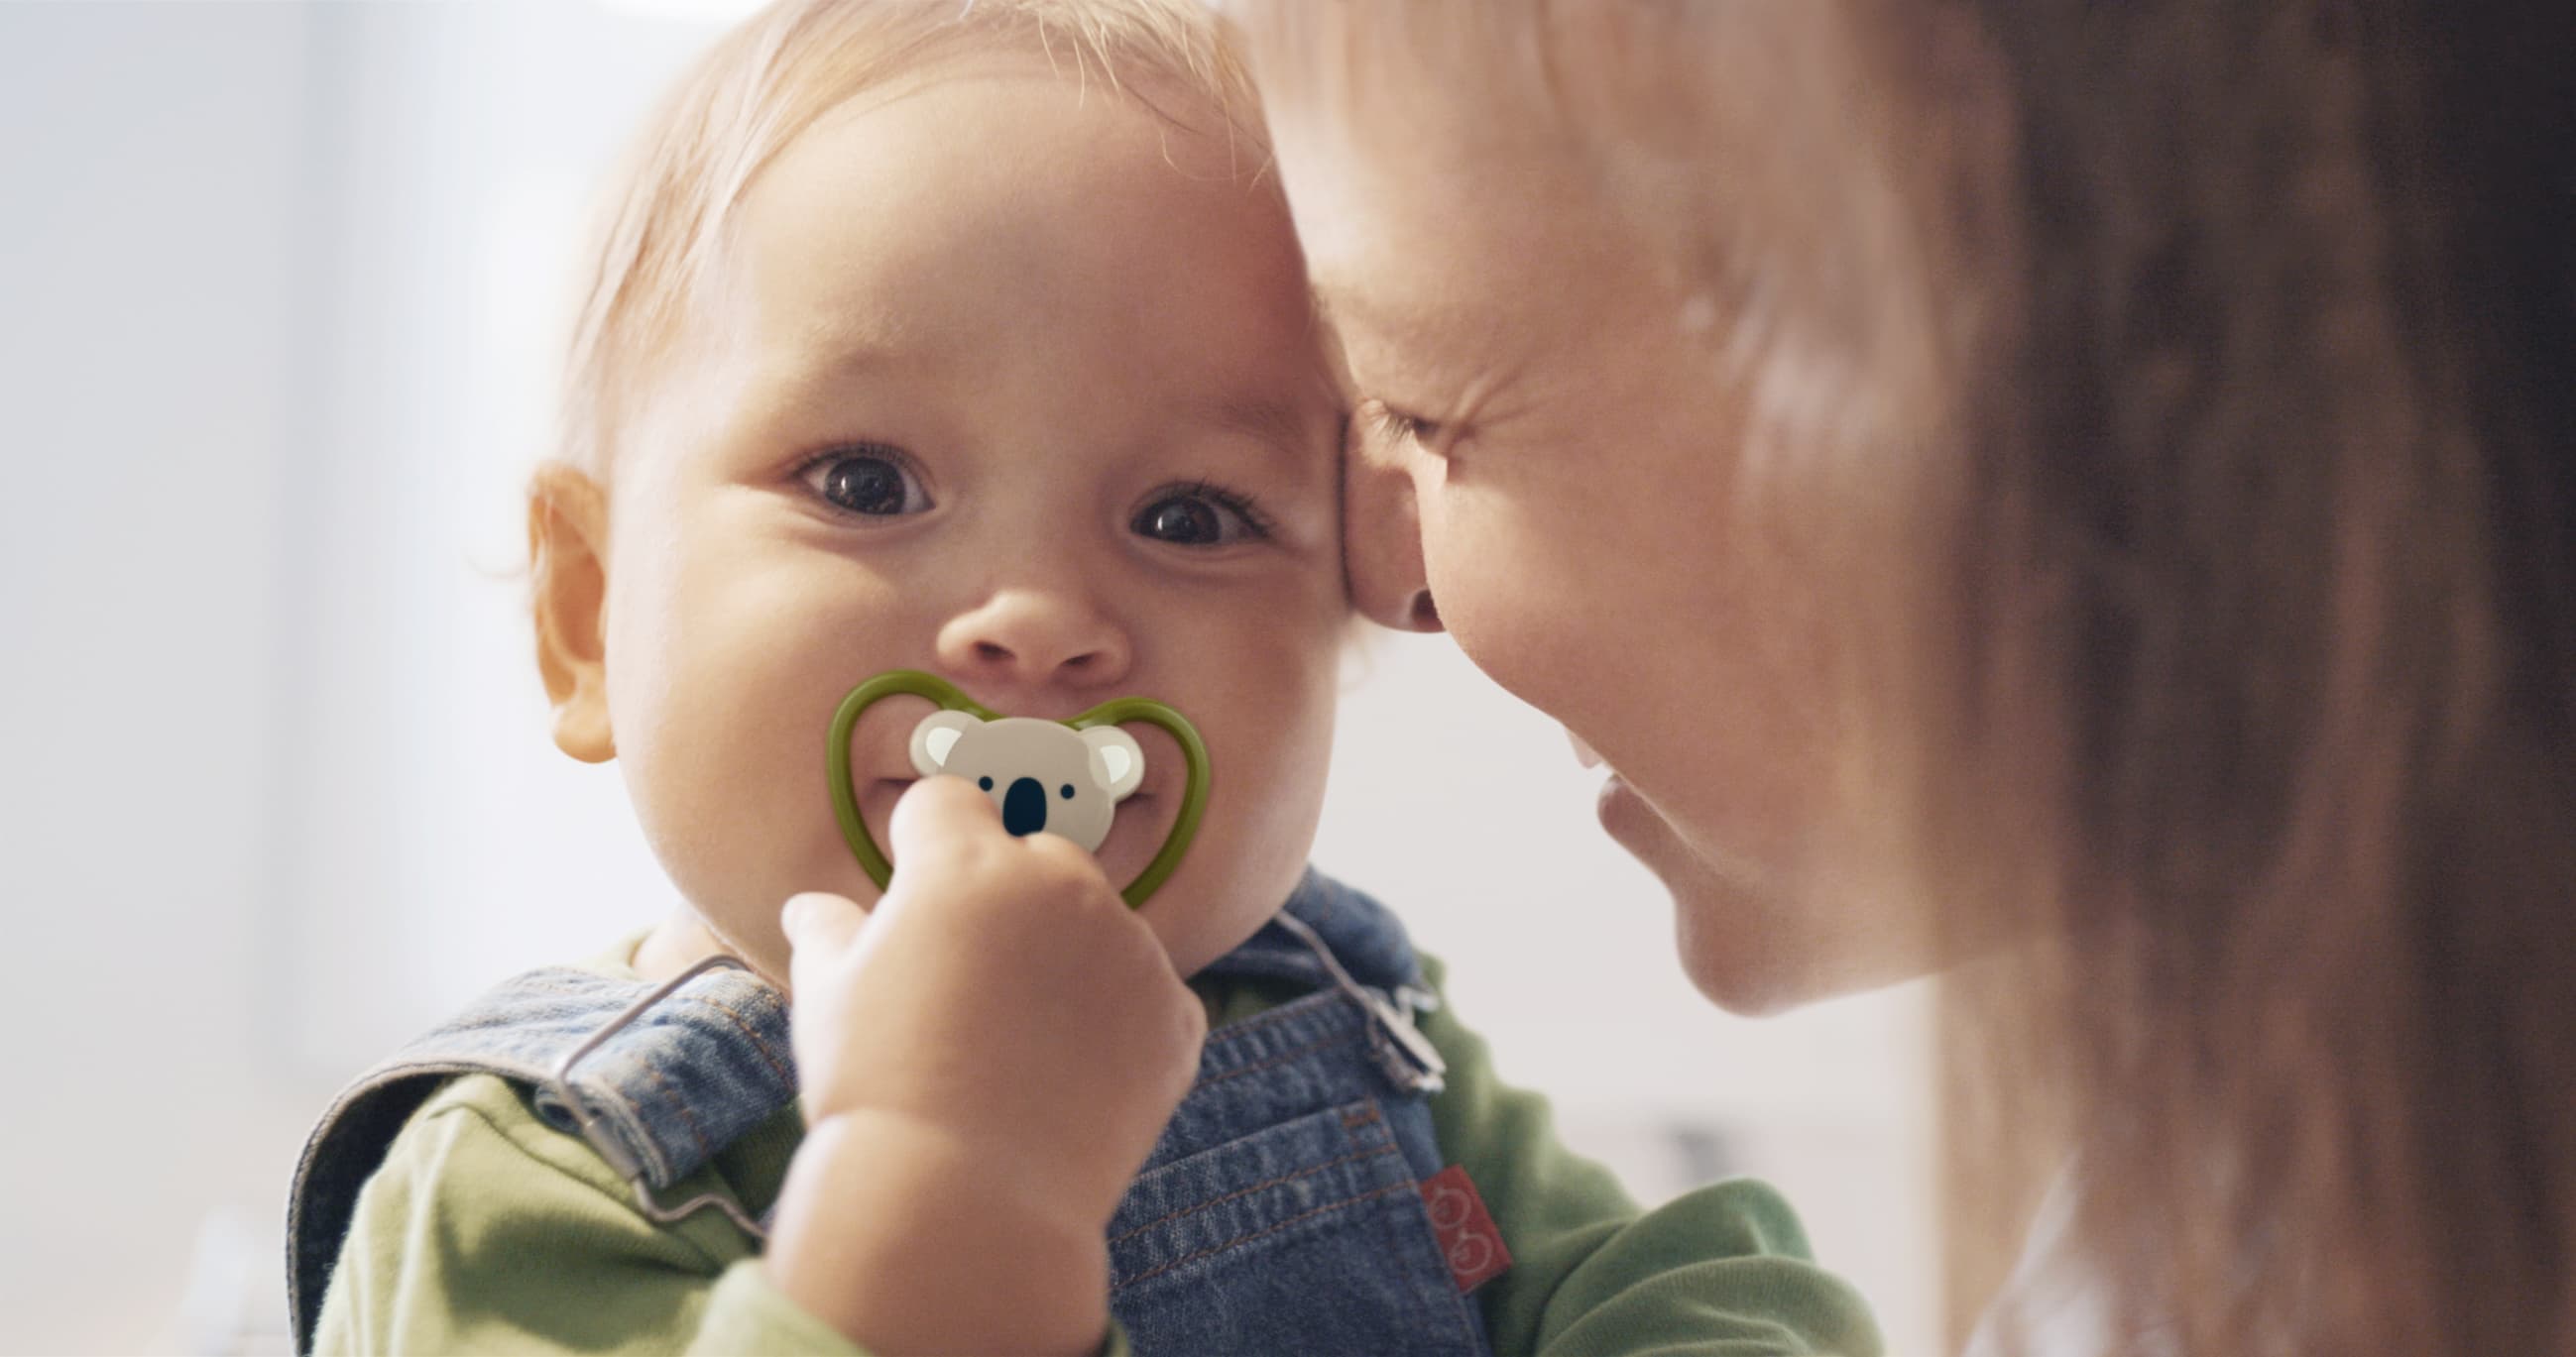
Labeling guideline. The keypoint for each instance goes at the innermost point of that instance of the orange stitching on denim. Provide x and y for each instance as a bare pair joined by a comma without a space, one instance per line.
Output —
1365,1117
1280,1059
695,1131
743,1025
1256,1187
1246,1239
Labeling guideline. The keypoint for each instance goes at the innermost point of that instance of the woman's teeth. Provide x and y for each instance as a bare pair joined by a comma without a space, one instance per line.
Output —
1584,753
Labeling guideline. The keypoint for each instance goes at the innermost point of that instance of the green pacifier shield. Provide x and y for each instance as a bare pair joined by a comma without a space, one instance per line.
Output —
914,683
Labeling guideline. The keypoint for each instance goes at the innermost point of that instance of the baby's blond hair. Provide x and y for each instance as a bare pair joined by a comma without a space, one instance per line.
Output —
768,80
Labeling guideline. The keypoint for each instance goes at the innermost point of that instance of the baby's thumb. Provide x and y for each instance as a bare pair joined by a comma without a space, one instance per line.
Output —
820,924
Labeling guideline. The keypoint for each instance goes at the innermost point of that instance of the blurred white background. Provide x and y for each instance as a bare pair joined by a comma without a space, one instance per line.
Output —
281,292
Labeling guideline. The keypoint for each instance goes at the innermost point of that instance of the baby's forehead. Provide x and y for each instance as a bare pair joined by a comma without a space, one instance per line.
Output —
875,250
758,95
1012,180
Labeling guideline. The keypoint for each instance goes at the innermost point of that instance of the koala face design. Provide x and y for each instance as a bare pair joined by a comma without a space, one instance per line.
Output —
1045,775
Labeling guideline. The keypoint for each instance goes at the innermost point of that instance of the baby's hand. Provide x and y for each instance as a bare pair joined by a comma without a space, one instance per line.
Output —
986,1058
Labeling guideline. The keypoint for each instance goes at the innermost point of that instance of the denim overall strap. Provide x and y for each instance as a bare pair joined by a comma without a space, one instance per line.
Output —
657,1097
1282,1209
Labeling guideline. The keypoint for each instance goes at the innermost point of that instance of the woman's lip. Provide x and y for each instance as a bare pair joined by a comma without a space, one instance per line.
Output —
1621,811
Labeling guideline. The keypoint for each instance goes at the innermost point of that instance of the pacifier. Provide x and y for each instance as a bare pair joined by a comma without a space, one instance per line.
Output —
1047,777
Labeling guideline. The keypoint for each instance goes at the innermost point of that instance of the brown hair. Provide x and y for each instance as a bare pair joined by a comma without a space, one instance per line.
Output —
2221,607
2259,592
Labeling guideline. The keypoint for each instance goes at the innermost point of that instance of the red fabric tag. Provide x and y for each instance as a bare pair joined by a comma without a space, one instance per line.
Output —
1467,1234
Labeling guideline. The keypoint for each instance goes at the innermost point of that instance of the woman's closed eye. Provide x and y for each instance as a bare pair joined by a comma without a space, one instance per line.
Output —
1199,514
1398,426
869,480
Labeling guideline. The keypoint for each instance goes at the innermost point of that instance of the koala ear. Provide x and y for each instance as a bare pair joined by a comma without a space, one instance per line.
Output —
936,738
1117,761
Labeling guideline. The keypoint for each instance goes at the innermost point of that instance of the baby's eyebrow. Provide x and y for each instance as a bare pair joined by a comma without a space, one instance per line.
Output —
1282,430
852,350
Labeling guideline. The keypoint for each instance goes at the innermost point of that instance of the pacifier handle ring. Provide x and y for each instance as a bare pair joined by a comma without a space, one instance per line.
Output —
915,683
1194,756
845,797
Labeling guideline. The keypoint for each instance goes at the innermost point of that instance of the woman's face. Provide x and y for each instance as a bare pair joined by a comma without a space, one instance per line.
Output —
1553,444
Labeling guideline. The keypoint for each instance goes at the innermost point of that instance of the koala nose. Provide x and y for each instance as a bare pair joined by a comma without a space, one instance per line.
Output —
1024,807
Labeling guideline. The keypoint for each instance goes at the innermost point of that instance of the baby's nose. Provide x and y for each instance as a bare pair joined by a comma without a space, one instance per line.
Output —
1027,639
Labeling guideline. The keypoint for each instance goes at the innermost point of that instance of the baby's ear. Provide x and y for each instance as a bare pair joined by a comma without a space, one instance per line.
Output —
936,738
1117,761
568,575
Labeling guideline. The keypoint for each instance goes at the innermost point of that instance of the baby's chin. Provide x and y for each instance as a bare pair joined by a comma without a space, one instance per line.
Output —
1201,916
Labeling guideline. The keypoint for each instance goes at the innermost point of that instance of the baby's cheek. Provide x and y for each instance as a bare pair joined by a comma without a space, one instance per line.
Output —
726,775
1283,749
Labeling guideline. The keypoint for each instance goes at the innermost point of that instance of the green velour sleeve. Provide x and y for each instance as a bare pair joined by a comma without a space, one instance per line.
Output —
1723,1271
486,1231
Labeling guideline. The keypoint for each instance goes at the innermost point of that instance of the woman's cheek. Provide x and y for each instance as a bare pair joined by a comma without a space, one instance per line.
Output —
1484,571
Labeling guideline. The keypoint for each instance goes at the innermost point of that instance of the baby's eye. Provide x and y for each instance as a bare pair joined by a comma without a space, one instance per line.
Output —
871,481
1200,515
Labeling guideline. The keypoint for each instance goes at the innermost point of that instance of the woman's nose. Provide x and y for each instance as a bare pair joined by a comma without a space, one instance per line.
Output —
1382,542
1026,639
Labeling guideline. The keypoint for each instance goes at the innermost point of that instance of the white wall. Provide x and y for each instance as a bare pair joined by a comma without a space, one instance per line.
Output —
280,293
153,351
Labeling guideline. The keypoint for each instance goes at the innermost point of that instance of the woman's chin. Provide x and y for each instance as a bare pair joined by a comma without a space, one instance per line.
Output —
1734,930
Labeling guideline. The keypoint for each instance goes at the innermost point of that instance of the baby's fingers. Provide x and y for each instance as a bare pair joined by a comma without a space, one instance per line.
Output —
820,927
935,816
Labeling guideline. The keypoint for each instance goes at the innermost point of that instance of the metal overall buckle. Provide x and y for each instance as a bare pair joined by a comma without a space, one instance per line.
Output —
603,1138
1409,1059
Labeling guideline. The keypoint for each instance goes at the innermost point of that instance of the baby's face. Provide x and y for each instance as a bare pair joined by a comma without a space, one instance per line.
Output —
1019,386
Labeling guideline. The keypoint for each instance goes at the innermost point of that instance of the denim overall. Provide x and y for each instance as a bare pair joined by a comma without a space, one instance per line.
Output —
1281,1211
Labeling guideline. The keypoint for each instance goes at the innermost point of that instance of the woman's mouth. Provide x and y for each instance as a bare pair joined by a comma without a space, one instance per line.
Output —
1584,753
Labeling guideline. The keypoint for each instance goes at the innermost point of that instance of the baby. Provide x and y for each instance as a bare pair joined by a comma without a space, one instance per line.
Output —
972,339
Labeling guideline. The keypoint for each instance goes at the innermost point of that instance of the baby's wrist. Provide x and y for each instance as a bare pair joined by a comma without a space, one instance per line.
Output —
906,1237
